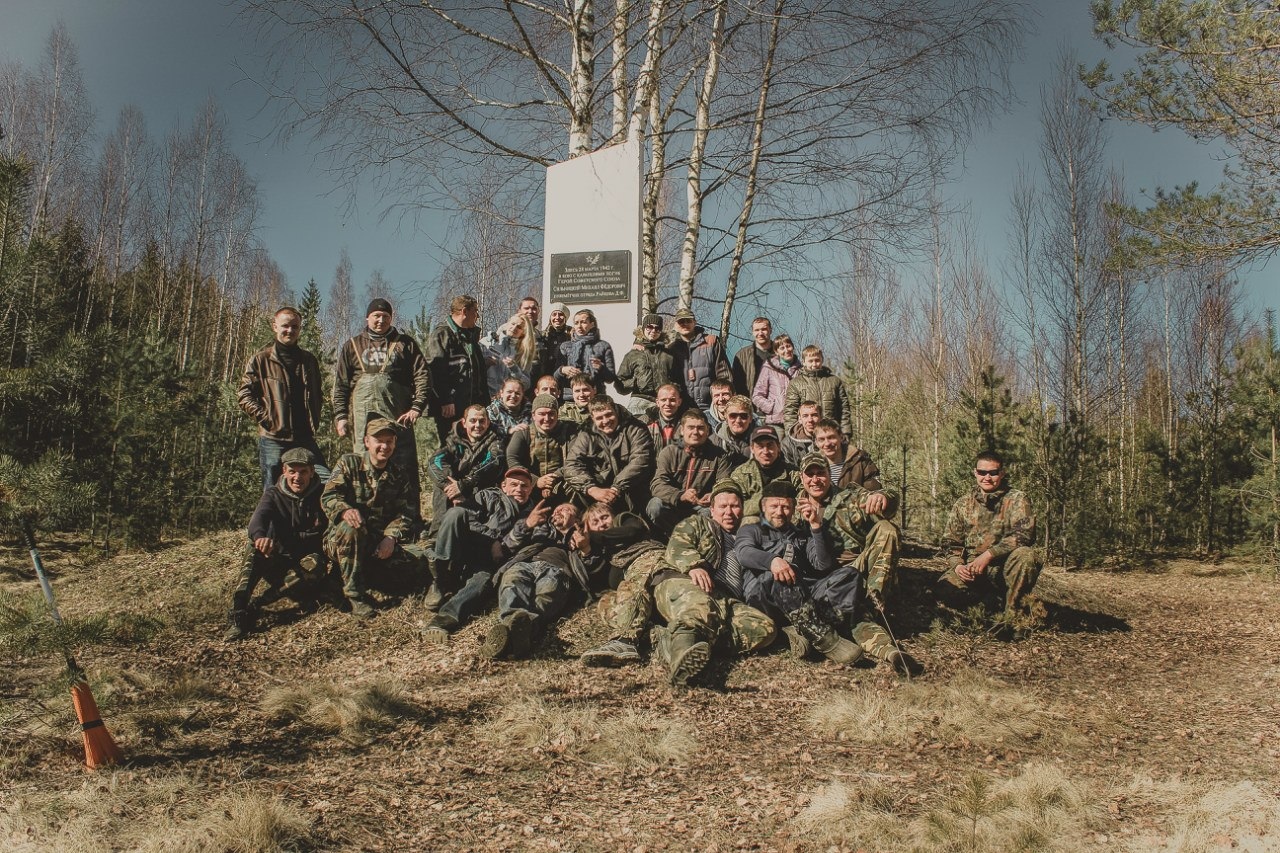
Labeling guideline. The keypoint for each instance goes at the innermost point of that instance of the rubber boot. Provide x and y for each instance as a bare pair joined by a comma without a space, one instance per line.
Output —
683,653
823,636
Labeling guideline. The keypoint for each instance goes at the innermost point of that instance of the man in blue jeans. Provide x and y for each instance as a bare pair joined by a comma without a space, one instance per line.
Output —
281,391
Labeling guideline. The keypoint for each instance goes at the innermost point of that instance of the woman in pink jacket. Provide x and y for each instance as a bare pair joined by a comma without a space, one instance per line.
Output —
770,394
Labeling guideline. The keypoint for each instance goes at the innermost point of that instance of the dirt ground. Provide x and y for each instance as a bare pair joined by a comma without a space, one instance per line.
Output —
1145,717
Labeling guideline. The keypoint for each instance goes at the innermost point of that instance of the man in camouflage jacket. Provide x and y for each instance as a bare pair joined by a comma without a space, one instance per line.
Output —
370,514
988,545
696,586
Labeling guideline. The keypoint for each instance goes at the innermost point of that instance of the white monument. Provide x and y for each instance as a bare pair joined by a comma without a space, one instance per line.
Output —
591,240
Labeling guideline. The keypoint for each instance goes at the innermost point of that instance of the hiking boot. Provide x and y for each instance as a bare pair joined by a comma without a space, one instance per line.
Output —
436,632
495,642
823,636
239,626
362,608
271,595
683,653
798,645
434,597
616,652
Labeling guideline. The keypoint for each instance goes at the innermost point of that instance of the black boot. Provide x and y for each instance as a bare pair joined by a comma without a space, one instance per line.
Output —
239,625
823,636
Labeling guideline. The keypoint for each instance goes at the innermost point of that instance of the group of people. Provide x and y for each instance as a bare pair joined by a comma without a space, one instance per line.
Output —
723,507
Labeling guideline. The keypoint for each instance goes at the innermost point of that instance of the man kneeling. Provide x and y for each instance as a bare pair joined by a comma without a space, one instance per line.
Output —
285,535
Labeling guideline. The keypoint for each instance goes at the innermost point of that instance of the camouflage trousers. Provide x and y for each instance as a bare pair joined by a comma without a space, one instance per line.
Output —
351,549
877,561
712,617
311,569
539,588
1011,579
630,607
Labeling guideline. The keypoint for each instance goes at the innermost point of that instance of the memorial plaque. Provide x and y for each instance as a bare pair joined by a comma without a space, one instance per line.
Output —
581,278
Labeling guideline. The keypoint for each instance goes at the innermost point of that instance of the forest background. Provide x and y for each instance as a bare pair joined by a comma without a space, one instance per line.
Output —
1114,359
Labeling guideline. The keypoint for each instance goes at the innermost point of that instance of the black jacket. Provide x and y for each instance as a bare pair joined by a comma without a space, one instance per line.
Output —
296,522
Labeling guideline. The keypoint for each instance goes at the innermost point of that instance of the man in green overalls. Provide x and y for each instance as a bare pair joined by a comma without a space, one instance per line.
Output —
382,372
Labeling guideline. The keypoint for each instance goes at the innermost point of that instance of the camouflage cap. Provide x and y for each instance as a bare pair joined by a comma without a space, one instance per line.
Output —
779,489
684,314
298,456
380,424
545,401
729,486
815,458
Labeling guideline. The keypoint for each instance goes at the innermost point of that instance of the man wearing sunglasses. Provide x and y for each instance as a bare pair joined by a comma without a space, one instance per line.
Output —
988,545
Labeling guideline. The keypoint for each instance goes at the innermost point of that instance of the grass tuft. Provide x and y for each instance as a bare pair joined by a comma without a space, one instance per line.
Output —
356,714
633,739
969,707
1038,810
150,814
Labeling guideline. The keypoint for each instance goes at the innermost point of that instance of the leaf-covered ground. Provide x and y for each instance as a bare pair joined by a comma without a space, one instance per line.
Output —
1146,717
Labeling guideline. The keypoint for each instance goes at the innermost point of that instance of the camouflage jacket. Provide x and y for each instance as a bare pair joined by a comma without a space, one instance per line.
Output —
540,452
996,522
574,414
382,497
699,543
752,478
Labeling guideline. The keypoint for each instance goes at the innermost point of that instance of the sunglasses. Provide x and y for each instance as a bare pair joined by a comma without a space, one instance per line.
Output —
737,415
994,472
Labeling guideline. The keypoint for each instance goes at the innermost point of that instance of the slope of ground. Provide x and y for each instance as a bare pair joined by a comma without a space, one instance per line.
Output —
1145,718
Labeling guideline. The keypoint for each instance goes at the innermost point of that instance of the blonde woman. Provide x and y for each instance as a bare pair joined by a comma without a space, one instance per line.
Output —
511,351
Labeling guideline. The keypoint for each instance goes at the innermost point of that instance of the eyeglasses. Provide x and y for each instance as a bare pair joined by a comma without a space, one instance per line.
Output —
994,472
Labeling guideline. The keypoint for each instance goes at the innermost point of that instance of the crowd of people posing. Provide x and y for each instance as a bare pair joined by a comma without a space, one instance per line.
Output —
724,507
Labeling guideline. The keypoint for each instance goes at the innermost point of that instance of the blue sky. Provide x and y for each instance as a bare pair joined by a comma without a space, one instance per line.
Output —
168,57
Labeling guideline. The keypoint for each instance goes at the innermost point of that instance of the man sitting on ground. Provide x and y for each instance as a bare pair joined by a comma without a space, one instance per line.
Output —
866,542
790,572
538,583
285,534
988,548
370,515
473,542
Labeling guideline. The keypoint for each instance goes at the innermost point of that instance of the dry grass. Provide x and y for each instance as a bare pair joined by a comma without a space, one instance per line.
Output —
632,739
354,713
969,707
1240,816
1038,810
167,814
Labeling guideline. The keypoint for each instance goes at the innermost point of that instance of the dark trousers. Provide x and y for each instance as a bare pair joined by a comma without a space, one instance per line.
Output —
833,595
271,449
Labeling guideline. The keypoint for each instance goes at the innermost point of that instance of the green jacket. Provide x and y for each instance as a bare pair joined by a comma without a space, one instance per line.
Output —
752,479
997,522
382,497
